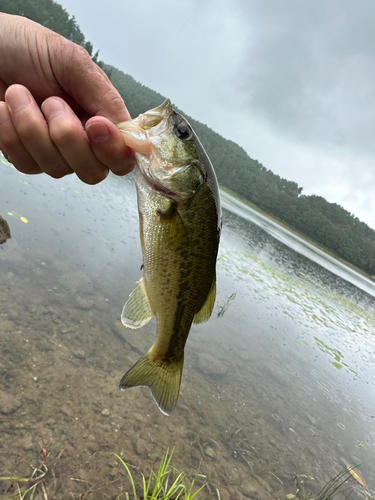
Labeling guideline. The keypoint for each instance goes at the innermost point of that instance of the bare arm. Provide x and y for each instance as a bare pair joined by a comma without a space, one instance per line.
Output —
57,106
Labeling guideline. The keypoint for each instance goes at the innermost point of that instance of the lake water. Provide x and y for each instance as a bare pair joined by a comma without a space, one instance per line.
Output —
279,383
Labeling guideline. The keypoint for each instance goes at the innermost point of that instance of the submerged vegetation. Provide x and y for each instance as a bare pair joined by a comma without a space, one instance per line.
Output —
329,490
167,483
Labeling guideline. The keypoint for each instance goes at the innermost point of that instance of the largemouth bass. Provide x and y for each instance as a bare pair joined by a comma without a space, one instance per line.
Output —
180,223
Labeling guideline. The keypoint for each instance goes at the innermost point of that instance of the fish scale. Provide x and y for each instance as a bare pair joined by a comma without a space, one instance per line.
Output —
180,224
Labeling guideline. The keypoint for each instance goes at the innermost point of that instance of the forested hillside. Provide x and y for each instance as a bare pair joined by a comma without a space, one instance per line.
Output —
326,223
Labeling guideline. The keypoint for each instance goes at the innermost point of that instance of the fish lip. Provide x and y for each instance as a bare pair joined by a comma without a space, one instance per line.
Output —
135,132
154,117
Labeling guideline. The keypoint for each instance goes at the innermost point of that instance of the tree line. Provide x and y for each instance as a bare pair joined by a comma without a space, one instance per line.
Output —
326,223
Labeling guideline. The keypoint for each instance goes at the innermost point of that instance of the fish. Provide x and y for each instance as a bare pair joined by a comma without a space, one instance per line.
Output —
179,224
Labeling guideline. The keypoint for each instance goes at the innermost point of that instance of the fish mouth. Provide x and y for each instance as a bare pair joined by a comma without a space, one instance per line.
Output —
154,116
134,132
135,135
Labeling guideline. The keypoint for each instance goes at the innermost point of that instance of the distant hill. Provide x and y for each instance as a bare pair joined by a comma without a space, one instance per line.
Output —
328,224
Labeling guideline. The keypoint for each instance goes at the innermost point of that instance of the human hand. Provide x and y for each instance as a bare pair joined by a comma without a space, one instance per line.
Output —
57,107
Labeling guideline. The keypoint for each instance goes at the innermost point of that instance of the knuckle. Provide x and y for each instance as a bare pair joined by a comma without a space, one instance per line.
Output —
78,52
63,133
94,176
123,168
11,145
28,129
27,166
58,174
57,170
111,105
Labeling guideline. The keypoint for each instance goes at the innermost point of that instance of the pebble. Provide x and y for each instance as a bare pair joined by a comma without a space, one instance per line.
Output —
26,442
210,452
8,403
141,447
79,354
249,490
105,412
70,450
83,303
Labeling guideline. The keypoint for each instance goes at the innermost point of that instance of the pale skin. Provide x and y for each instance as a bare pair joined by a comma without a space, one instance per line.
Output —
57,107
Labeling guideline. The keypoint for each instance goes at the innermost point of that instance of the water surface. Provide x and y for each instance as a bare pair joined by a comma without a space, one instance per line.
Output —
281,384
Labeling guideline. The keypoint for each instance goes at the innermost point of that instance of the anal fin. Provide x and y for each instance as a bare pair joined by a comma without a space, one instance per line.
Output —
137,311
206,309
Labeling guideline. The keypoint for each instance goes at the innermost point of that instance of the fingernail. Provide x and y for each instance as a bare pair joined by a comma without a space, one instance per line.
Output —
97,132
17,98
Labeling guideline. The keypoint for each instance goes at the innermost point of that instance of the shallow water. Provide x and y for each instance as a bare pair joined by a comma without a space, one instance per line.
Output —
281,384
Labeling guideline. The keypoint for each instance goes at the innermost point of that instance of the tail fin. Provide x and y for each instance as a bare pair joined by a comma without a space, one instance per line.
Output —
164,380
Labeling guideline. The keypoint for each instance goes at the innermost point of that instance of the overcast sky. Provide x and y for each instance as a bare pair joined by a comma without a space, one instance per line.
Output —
291,81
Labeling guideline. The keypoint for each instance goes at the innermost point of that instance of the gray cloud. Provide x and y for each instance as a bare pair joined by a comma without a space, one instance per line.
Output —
292,82
311,69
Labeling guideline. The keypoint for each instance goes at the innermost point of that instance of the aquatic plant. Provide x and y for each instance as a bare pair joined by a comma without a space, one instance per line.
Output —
224,306
241,447
166,484
26,487
329,491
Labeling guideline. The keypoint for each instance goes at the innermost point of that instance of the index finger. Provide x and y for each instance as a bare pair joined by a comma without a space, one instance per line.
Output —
109,147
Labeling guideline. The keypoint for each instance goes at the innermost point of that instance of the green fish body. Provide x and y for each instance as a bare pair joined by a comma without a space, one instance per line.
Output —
180,223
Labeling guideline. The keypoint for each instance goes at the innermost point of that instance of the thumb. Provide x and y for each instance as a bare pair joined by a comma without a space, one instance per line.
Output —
89,86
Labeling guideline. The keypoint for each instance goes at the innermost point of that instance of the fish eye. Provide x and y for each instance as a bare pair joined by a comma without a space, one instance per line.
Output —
183,132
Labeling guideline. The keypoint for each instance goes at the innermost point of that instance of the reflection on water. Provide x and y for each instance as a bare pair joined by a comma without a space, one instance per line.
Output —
280,384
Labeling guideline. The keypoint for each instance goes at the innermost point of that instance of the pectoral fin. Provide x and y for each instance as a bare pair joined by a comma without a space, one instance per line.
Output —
137,311
207,307
174,231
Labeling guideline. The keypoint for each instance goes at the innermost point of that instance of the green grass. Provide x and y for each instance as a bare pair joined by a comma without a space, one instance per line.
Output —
165,484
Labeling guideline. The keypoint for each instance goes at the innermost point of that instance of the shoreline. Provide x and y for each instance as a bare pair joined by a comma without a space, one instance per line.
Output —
272,218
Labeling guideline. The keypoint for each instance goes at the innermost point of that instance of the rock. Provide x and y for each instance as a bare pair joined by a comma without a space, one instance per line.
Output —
8,403
79,354
4,230
210,452
105,412
67,411
26,442
70,450
141,447
83,303
249,490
